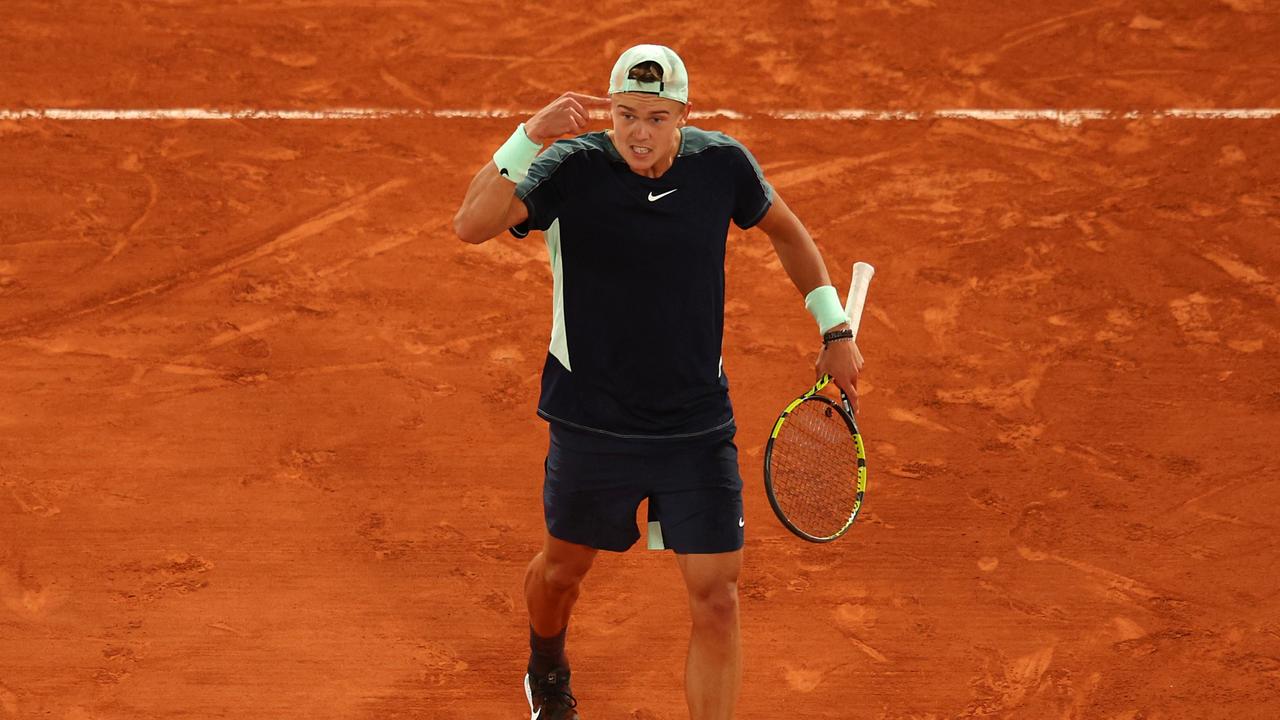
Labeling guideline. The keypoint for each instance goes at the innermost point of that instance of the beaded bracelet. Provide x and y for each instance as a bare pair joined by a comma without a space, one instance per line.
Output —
837,335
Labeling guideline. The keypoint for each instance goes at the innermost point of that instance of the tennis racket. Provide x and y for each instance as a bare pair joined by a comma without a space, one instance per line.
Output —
815,466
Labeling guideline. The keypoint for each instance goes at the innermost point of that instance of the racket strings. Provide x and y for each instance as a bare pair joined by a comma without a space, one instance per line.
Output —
814,467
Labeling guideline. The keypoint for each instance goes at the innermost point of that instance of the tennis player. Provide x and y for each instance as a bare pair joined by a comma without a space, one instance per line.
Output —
635,220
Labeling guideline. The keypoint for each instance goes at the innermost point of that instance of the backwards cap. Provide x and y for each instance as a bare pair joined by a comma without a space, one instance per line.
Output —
675,79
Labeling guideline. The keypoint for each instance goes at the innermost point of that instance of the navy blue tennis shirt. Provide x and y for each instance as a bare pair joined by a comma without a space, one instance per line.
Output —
638,266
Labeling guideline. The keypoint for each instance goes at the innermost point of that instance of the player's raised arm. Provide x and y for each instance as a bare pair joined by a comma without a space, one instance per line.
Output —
491,205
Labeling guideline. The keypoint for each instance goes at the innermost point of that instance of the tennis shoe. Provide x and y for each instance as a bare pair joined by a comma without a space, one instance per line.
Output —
549,696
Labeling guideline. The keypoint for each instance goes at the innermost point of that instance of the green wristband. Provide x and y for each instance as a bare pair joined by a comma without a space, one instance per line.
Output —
516,155
823,303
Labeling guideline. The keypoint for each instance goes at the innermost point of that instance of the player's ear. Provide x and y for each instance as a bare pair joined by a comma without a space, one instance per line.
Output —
684,116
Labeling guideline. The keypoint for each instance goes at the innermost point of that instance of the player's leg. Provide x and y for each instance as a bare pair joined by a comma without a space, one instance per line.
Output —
713,670
589,503
551,587
699,510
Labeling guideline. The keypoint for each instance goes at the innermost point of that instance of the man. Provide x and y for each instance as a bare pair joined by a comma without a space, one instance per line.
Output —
633,386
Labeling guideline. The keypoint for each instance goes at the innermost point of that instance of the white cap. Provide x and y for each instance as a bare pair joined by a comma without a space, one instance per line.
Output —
675,79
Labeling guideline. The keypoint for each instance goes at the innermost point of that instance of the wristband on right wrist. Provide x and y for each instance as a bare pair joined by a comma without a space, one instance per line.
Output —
516,155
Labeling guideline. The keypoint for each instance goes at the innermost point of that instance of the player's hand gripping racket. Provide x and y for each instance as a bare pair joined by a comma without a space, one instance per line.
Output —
815,467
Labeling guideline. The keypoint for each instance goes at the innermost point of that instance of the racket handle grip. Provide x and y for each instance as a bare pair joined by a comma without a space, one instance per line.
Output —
862,273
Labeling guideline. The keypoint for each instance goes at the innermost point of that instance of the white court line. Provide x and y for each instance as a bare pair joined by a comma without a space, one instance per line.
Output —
1063,117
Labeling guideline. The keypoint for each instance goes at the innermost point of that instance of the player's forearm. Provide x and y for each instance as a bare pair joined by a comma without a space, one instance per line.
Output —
484,209
795,247
799,256
802,261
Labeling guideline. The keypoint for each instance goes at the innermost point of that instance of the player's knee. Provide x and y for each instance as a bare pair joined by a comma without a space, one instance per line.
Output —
564,577
715,604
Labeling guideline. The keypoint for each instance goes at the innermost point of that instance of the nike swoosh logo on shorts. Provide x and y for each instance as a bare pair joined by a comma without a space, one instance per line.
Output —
742,522
653,197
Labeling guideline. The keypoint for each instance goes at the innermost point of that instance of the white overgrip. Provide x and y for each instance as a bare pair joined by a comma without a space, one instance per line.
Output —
862,273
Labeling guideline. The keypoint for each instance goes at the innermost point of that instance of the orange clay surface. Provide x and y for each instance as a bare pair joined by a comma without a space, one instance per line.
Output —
267,442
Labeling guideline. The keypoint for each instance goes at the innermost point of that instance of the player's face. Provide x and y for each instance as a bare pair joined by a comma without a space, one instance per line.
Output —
646,130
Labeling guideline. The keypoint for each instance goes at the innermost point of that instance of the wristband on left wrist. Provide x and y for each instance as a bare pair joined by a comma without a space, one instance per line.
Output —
824,304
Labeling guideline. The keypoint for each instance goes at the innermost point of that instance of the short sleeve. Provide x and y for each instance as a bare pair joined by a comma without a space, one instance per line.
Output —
753,195
543,189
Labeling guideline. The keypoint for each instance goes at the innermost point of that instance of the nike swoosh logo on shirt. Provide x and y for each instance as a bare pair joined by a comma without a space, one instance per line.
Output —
653,197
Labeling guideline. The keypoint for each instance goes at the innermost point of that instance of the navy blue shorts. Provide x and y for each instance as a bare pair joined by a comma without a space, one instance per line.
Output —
594,485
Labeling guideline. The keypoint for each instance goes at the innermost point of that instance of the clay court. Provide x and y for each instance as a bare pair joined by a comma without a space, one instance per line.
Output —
267,435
